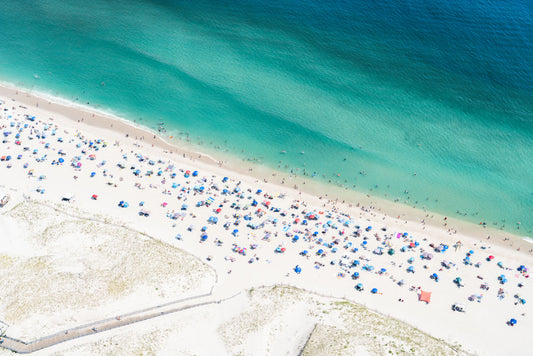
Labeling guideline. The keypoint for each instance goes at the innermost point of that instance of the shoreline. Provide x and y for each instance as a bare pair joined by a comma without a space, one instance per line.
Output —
327,193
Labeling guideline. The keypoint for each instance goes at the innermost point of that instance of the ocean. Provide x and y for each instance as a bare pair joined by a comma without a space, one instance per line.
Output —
427,103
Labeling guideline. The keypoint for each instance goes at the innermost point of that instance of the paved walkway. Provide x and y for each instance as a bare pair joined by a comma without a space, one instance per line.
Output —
23,347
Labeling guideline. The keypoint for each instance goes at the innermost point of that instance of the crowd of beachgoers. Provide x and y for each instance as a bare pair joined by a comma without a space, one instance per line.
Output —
247,229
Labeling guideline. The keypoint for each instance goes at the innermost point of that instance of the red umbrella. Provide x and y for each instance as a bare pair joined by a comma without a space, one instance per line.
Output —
219,210
491,257
94,197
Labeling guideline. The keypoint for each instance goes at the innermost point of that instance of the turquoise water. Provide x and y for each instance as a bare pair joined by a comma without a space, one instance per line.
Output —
443,89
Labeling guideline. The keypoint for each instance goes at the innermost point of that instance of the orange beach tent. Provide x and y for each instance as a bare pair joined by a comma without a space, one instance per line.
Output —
424,296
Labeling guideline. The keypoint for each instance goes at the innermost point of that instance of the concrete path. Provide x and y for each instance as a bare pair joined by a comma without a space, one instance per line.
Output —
23,347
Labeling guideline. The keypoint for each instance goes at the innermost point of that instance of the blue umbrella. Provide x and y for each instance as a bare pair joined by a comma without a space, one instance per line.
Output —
297,269
513,321
374,290
61,160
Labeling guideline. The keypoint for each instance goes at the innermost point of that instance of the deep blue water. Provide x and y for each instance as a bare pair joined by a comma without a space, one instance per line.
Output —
443,89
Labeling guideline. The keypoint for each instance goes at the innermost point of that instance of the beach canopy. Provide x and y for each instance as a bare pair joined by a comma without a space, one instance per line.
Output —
425,296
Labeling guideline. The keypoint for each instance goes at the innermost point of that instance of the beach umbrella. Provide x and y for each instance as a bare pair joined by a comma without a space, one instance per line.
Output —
513,321
78,164
374,290
355,275
297,269
383,270
61,160
93,174
359,286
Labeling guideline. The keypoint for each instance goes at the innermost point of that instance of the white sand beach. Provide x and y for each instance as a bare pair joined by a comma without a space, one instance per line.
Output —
105,219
